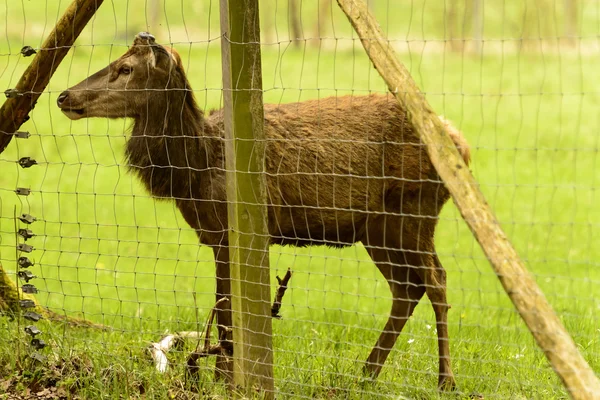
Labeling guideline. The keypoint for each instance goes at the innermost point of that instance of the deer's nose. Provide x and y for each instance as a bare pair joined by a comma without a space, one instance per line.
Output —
61,99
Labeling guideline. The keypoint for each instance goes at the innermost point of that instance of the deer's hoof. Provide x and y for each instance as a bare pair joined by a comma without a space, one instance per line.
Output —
224,369
371,370
446,383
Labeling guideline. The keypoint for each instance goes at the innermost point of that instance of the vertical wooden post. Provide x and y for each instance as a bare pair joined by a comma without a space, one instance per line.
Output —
528,299
35,79
152,15
246,194
477,27
450,24
571,21
294,19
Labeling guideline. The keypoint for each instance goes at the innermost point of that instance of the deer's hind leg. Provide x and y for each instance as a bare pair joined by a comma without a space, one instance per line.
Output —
410,274
224,362
407,289
434,277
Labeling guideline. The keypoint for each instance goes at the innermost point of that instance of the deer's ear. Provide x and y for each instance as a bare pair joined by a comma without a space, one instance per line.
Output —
175,57
151,58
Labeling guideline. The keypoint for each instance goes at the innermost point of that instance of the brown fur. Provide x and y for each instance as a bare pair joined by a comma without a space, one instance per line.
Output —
339,170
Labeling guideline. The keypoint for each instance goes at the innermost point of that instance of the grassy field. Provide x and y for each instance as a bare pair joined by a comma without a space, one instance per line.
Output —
108,252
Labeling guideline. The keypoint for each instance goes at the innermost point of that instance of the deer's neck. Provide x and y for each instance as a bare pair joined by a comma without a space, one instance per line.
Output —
169,148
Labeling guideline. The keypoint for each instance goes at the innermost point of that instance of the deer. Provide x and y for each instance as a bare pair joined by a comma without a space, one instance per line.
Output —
339,170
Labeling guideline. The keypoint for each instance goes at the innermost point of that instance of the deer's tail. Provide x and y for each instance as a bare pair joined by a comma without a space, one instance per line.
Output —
458,139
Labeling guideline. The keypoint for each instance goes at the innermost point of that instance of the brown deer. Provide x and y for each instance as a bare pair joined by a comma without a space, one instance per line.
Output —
339,171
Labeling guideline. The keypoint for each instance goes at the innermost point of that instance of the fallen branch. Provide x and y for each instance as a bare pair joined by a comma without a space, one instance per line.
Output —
283,285
224,347
222,335
158,351
73,321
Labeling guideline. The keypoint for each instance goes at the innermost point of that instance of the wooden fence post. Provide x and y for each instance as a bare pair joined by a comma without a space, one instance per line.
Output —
571,21
477,27
34,80
528,299
246,194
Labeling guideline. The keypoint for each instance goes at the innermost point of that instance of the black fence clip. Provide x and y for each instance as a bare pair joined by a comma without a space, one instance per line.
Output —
26,303
11,93
28,51
37,357
26,248
27,219
38,343
24,262
23,191
21,134
27,162
26,233
26,275
31,316
32,330
29,288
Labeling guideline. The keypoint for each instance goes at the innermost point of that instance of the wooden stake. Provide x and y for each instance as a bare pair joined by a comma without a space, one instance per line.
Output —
520,285
247,199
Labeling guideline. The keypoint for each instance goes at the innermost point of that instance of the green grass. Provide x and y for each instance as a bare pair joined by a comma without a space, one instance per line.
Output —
108,252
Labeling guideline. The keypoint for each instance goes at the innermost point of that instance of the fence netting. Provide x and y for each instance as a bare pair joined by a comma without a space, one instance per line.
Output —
518,79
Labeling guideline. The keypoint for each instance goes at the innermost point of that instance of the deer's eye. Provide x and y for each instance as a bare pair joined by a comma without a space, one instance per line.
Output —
125,70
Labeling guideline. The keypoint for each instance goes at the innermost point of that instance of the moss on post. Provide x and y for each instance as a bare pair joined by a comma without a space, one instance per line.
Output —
10,295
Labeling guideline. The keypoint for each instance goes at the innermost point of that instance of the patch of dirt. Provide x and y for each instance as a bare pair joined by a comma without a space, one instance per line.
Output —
64,379
12,389
44,381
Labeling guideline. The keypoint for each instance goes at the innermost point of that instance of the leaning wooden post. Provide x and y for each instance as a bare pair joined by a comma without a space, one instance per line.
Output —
33,82
246,194
522,289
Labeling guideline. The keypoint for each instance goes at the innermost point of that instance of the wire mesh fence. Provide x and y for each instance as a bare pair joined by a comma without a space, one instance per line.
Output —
517,79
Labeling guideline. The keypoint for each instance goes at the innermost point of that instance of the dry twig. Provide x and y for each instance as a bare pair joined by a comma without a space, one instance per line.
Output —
223,347
283,283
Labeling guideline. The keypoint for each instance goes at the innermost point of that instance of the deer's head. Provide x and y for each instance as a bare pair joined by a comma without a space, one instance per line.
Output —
127,86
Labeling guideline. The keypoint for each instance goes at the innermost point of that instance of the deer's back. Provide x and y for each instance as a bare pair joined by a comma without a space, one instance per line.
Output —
332,162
